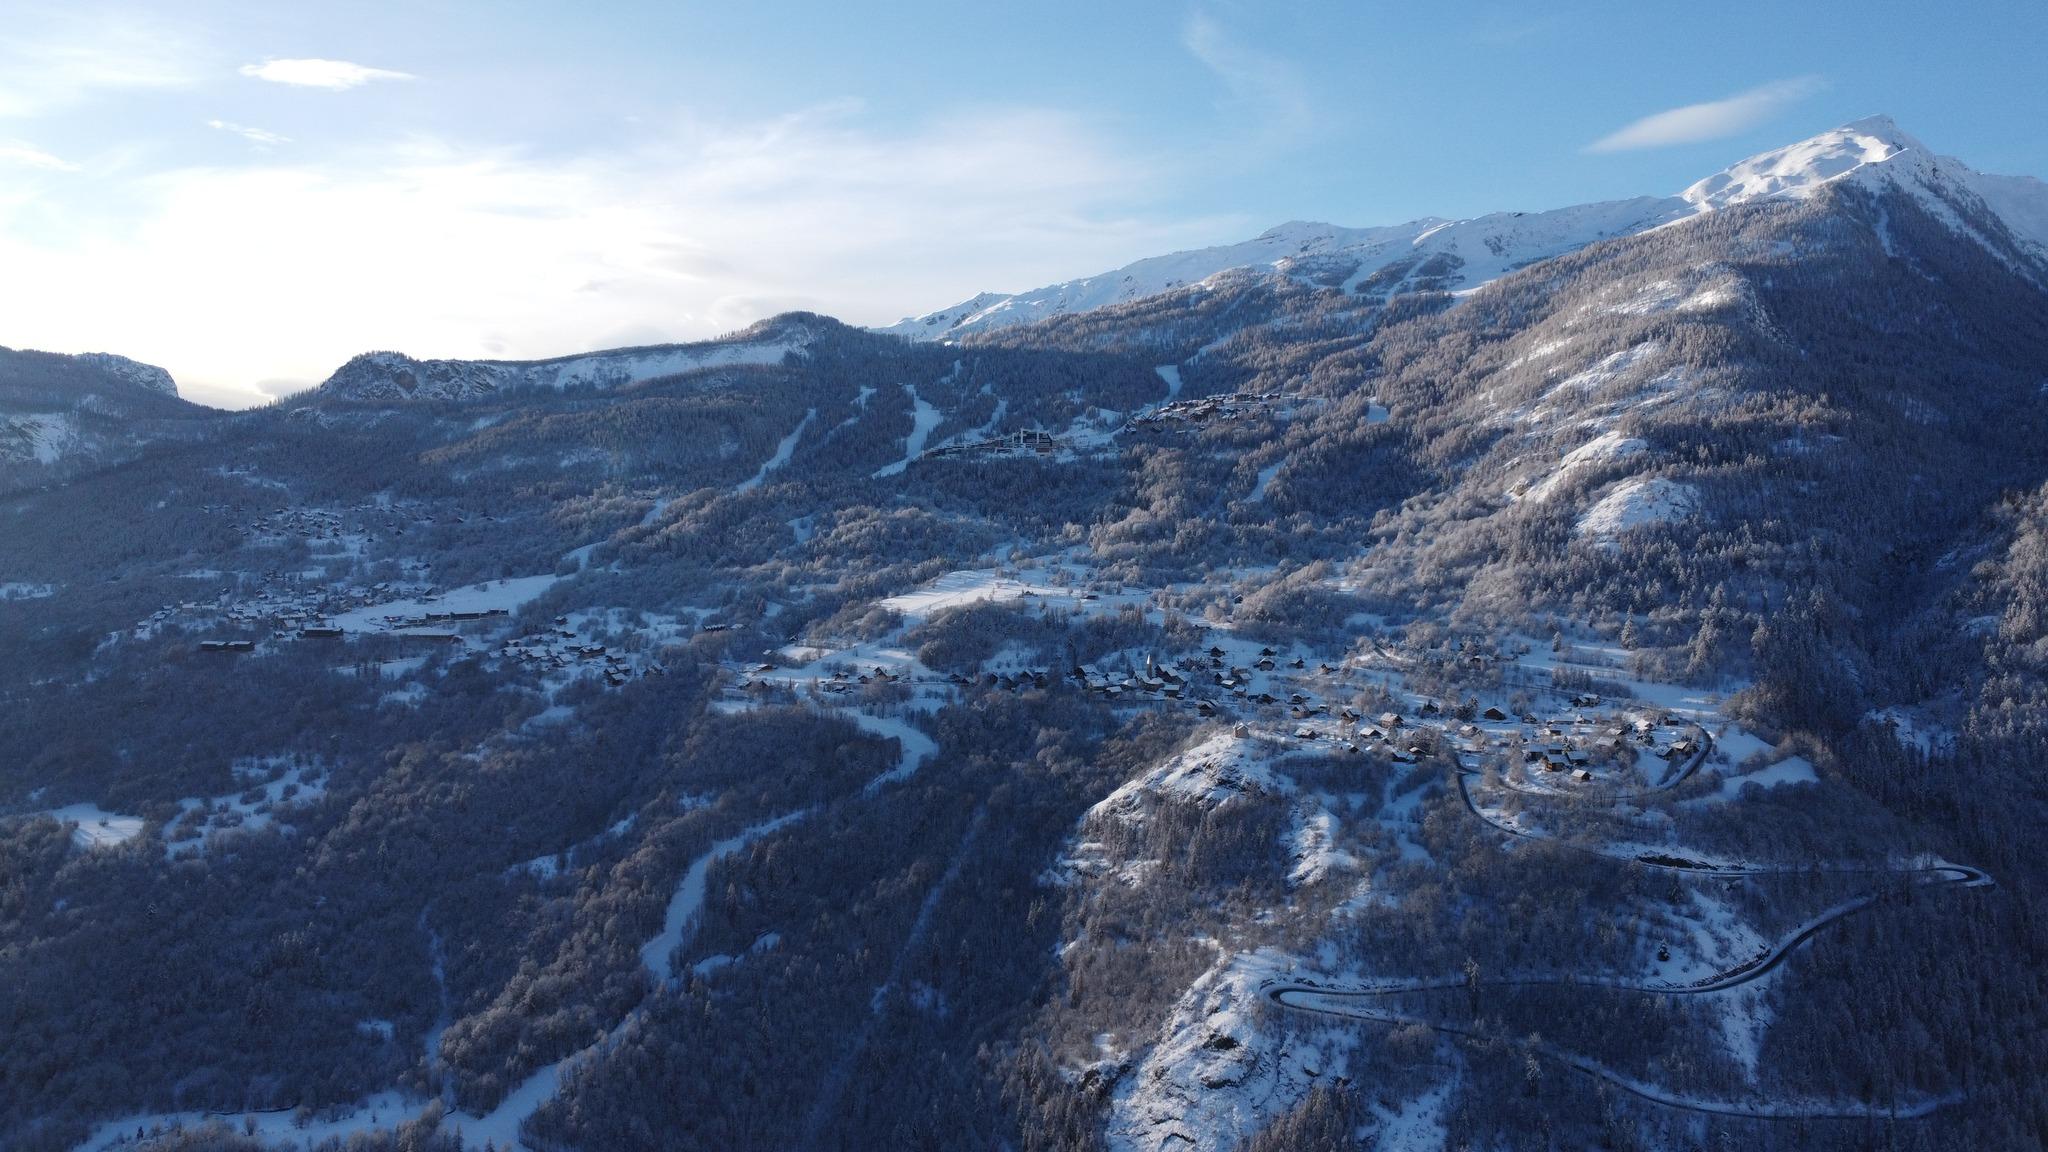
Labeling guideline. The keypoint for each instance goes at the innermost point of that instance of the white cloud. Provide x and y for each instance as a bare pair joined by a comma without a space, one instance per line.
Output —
254,135
14,152
1711,120
279,271
334,75
1266,92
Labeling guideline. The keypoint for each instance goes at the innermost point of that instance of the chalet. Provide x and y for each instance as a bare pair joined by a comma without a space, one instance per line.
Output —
1265,665
319,632
1404,758
1304,733
1390,720
1582,776
1493,714
1205,708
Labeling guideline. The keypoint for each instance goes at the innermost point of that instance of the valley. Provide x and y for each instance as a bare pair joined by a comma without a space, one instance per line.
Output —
1535,681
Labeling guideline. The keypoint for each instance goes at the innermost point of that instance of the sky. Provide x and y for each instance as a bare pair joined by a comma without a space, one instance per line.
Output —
249,194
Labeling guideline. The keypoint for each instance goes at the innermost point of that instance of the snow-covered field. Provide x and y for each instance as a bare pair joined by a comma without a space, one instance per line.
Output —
96,827
959,589
505,595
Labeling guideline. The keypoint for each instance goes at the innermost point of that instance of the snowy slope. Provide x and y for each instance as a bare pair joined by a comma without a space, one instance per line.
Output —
385,376
1451,255
1876,154
1428,253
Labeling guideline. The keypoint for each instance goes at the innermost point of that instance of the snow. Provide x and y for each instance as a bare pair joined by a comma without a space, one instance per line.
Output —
1799,170
396,376
1313,847
1876,154
1265,479
1602,449
1171,374
19,590
97,827
683,908
232,813
41,436
507,594
1222,768
916,746
924,419
958,589
1223,1068
1417,1126
1472,252
782,453
1638,503
1791,770
1479,250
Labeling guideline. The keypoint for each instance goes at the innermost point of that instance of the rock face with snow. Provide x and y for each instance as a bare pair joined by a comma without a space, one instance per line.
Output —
394,376
63,411
1449,255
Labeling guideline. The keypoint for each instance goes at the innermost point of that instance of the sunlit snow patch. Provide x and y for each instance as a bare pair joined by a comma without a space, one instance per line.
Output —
1634,504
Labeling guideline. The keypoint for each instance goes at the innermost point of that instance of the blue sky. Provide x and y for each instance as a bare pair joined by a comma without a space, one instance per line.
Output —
248,194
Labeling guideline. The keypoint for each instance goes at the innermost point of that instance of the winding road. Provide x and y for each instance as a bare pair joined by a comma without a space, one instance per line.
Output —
1353,1002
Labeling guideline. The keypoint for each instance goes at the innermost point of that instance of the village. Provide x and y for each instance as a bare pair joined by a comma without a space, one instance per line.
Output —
1539,736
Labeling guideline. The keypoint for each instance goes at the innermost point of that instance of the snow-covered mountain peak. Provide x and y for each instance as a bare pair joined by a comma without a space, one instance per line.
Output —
1435,254
1798,170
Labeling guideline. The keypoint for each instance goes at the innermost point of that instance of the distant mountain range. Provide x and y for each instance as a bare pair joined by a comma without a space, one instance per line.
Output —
1453,255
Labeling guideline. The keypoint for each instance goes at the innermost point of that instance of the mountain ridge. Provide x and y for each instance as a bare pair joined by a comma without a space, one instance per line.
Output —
1433,253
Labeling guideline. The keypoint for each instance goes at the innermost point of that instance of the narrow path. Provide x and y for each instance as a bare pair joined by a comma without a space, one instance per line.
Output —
834,1085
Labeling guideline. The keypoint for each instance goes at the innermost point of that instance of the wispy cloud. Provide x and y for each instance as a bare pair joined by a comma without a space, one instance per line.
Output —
1266,93
1711,120
694,228
311,72
258,136
49,64
18,154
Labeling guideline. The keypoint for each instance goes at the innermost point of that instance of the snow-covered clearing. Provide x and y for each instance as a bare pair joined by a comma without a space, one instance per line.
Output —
958,589
1602,449
1638,503
504,595
1265,479
96,827
1222,768
782,453
924,419
239,812
17,590
1416,1126
1791,770
1171,374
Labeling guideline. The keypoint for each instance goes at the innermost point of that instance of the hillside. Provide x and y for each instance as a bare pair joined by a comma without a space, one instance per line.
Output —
1559,680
